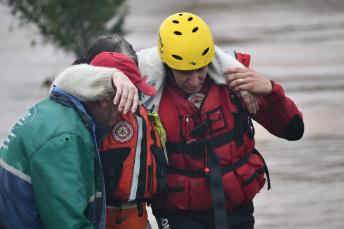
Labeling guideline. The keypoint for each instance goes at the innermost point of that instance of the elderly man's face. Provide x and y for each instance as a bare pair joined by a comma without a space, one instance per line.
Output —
104,111
109,114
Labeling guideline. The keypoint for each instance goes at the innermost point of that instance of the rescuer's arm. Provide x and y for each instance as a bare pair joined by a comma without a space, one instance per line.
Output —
89,83
280,115
277,113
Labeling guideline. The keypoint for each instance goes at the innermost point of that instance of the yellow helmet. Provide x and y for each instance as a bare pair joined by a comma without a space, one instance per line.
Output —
185,42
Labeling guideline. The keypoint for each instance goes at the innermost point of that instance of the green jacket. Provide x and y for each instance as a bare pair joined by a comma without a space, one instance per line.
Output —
49,169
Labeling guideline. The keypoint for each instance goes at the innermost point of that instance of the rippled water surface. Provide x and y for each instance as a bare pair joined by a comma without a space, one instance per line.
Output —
299,44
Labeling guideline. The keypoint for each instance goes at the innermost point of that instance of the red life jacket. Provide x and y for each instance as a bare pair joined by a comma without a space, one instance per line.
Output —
134,165
221,125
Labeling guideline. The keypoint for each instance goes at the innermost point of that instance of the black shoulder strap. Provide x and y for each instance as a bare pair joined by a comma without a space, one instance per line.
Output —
217,191
143,155
239,129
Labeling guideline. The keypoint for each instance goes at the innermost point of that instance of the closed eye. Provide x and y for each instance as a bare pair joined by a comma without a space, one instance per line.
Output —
200,69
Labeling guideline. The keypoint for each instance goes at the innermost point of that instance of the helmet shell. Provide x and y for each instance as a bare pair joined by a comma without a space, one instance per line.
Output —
185,42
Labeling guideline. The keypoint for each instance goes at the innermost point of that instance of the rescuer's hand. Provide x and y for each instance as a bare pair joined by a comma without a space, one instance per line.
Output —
126,93
251,100
247,79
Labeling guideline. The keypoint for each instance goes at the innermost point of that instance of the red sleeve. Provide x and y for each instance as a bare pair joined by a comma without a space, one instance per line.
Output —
244,59
280,115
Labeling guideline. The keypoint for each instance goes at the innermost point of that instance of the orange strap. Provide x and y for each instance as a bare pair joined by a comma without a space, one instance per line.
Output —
132,221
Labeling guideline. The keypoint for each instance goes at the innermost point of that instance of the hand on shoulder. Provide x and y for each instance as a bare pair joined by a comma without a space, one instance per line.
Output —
126,92
248,79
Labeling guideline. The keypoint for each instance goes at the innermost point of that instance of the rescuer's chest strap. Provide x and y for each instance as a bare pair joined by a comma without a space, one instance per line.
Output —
196,149
226,169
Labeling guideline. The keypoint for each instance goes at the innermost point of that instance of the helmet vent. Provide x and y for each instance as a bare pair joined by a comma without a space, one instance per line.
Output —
205,51
175,22
195,29
177,57
177,33
190,18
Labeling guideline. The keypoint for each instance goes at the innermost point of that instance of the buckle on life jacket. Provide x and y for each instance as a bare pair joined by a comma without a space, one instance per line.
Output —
201,128
251,127
197,149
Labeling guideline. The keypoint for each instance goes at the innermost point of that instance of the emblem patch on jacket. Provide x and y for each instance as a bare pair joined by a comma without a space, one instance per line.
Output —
196,99
122,132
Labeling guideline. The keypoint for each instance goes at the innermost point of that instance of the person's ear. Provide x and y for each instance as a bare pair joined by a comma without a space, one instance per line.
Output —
103,103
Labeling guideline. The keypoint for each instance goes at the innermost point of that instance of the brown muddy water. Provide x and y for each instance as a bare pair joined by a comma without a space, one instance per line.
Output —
299,44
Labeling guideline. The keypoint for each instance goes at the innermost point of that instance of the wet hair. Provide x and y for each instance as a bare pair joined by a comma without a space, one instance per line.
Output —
169,72
110,43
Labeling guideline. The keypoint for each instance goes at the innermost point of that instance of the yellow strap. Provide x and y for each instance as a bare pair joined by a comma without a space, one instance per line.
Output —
154,118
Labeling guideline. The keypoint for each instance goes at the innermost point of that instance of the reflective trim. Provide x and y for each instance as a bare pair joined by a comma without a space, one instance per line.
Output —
96,195
136,172
13,135
15,171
